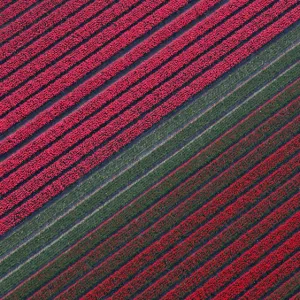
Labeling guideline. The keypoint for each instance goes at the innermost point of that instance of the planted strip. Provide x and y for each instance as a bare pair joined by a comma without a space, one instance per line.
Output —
63,55
144,202
166,242
14,10
127,233
264,285
99,79
122,85
276,257
286,289
28,19
43,36
261,248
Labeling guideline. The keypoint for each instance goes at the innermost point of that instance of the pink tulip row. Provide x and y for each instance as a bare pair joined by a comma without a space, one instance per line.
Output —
27,19
54,72
5,3
59,49
88,65
138,91
147,122
15,9
175,236
47,39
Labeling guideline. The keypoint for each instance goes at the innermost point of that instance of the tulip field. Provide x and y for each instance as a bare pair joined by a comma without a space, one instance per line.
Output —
149,149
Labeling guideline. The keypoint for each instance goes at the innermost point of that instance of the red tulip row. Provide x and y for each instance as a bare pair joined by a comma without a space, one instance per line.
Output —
15,9
138,91
147,122
60,48
115,241
261,248
270,281
274,258
232,234
254,255
110,71
54,71
176,235
99,79
47,39
287,287
27,19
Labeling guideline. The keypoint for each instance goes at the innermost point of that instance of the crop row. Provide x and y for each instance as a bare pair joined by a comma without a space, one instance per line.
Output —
266,265
110,71
173,181
28,19
13,10
34,68
4,4
170,128
122,85
167,203
119,105
39,33
275,237
285,290
270,259
128,135
240,230
150,215
197,228
80,61
270,281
